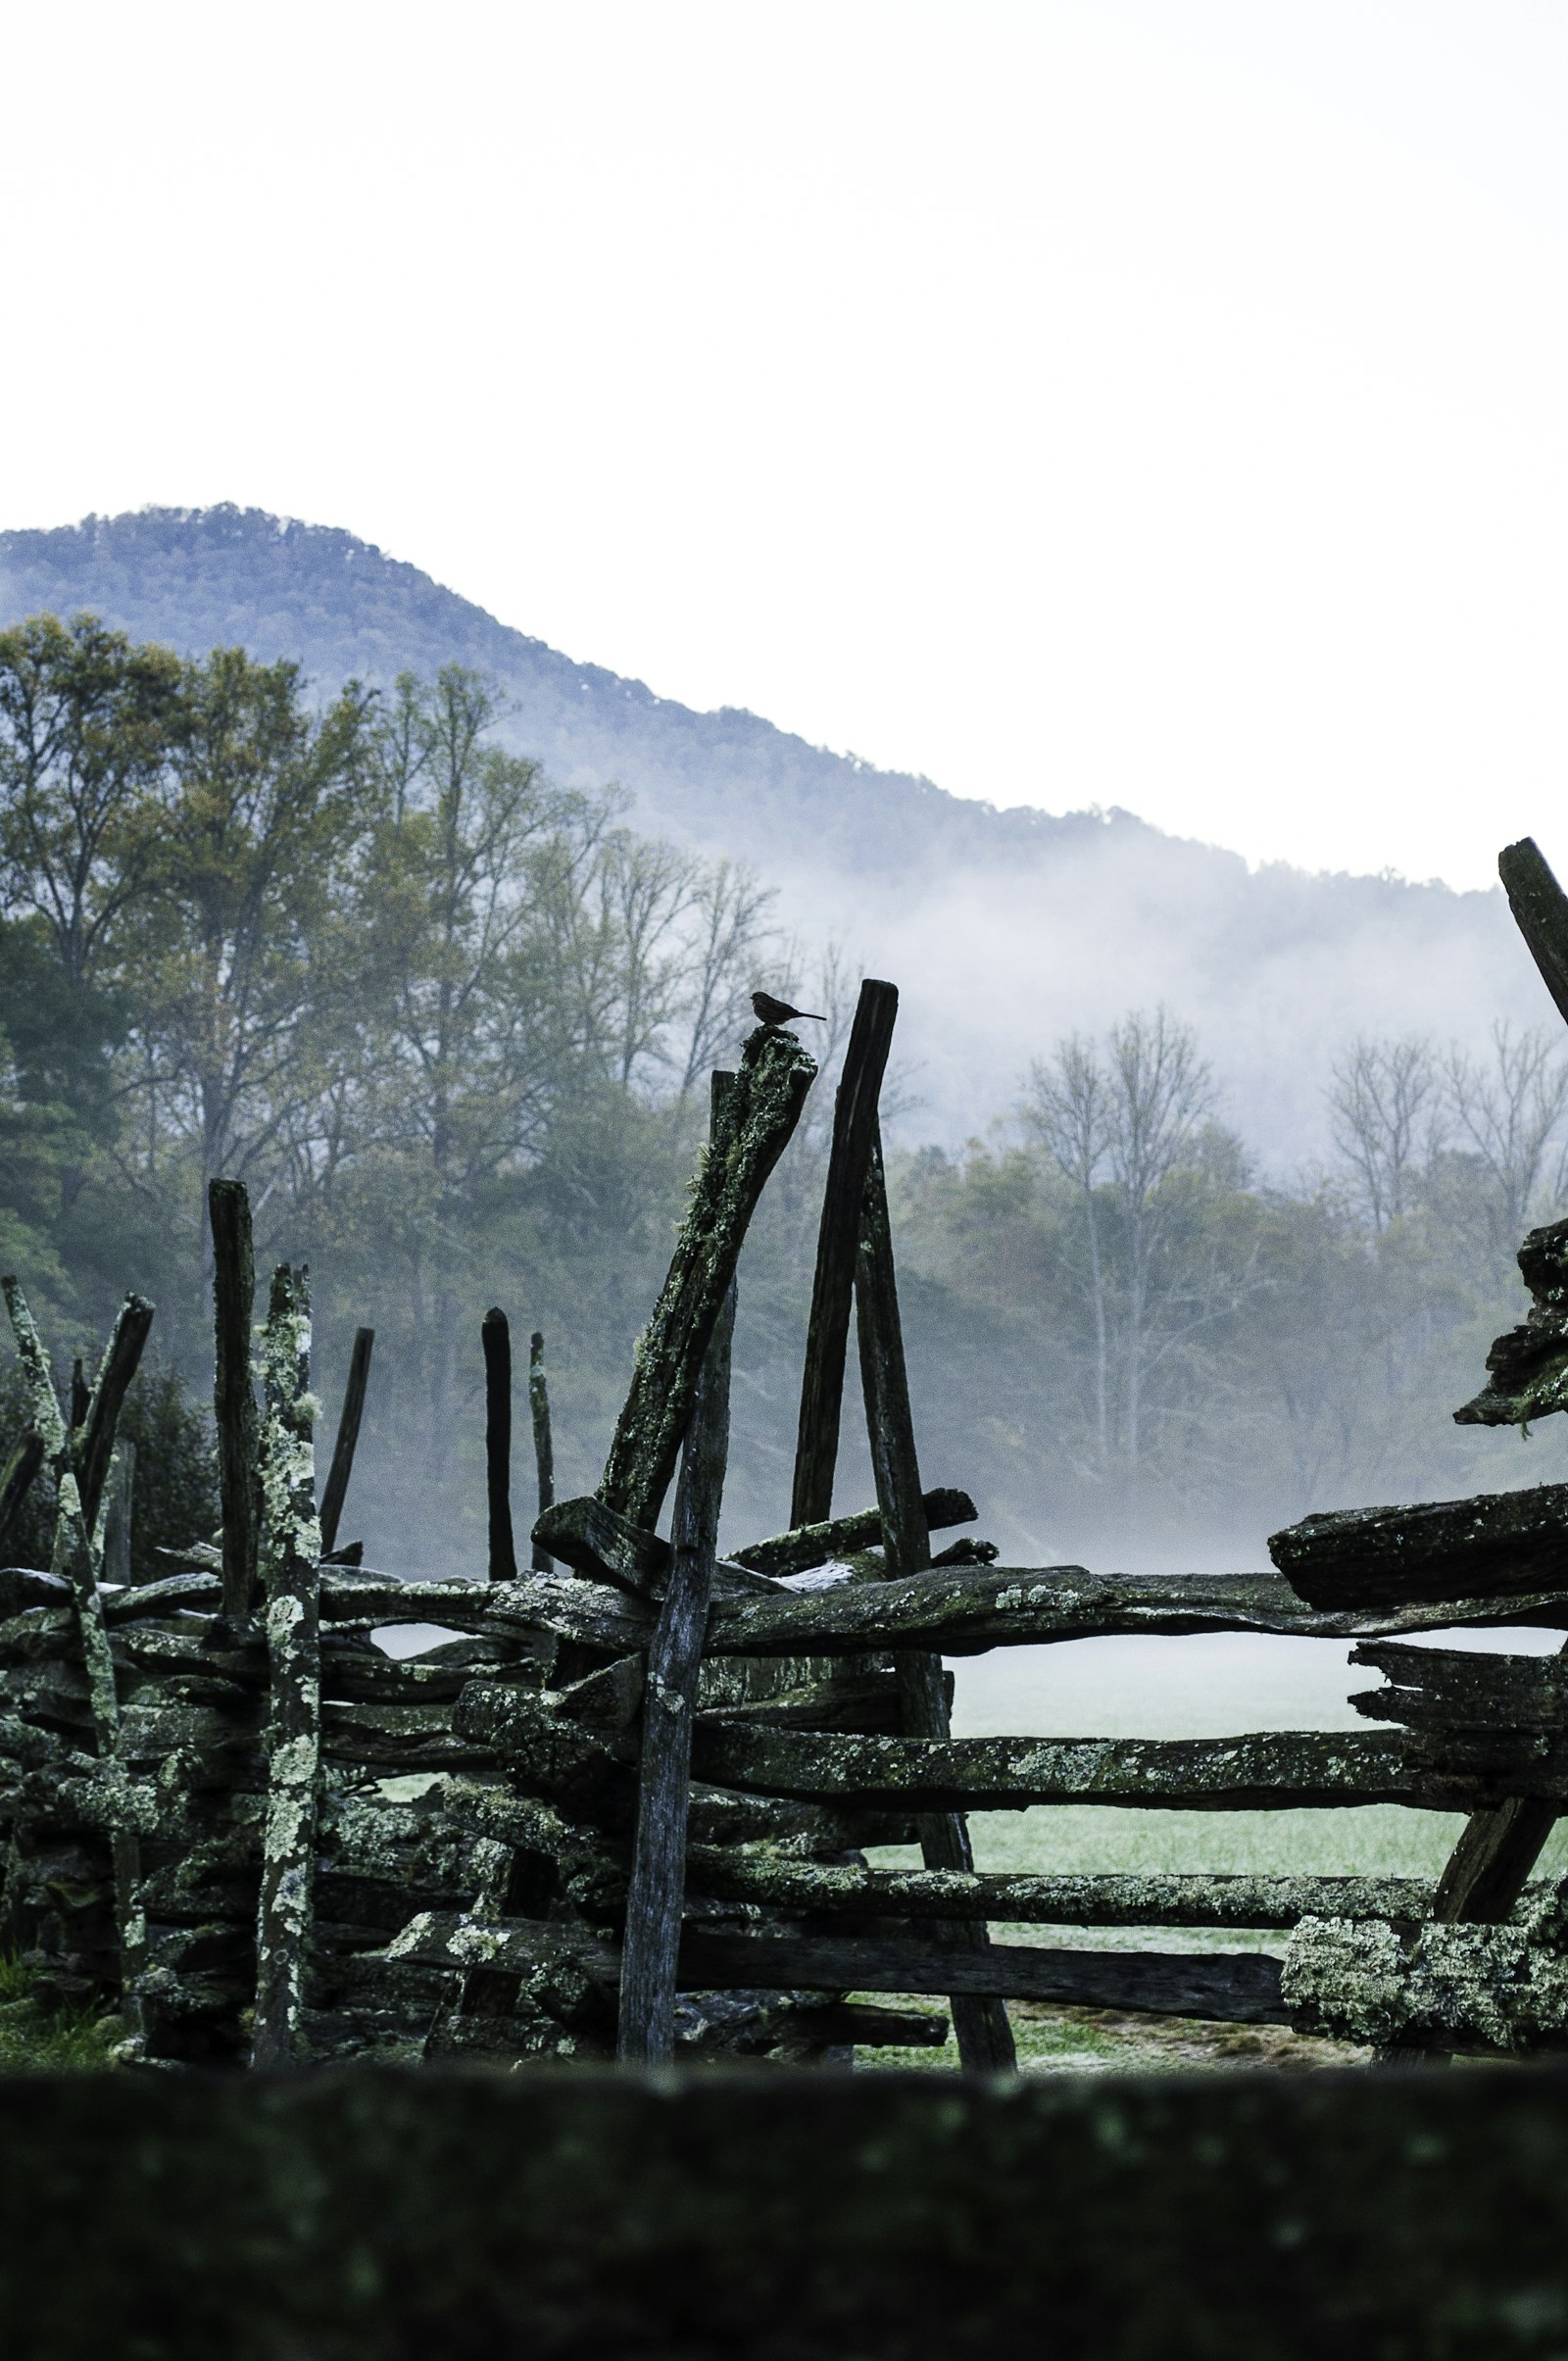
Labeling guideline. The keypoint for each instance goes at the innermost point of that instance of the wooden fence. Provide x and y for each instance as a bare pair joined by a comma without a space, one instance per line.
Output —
623,1808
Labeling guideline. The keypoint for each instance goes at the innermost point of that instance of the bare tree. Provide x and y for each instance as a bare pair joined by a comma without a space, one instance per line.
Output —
1066,1112
1387,1116
1160,1096
1509,1111
1129,1123
730,941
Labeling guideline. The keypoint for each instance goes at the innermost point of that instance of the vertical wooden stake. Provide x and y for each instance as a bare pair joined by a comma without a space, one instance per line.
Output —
120,1497
294,1666
656,1896
496,1338
229,1210
348,1435
544,1458
855,1119
984,2035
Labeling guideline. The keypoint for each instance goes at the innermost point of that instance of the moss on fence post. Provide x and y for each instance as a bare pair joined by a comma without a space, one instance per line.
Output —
293,1547
759,1116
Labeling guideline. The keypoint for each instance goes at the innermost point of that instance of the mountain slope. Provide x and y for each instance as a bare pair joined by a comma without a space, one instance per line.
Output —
1006,929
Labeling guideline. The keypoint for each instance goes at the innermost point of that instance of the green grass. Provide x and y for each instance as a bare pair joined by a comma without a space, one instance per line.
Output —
53,2041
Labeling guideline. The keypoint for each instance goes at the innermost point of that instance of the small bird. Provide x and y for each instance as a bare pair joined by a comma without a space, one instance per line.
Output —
774,1012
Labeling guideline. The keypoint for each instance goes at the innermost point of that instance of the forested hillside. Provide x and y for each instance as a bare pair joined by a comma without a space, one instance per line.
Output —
1005,927
451,1020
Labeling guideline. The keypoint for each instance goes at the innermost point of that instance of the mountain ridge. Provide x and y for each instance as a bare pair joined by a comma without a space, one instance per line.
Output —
1007,927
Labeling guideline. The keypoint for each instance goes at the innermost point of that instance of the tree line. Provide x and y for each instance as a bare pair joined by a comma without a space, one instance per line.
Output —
450,1022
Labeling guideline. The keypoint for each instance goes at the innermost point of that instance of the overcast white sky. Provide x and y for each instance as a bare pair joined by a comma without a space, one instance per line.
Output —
1156,405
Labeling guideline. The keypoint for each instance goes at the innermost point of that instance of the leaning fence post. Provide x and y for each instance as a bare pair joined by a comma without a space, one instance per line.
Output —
335,1491
544,1458
229,1210
984,2035
753,1127
827,1335
655,1899
294,1667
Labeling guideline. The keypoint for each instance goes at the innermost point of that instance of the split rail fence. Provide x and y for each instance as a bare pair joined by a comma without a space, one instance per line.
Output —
625,1806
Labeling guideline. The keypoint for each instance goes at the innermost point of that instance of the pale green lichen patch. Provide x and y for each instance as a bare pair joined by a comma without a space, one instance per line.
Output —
1453,1987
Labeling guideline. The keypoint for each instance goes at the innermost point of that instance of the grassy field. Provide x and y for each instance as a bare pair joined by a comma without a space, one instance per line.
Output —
31,2039
1201,1687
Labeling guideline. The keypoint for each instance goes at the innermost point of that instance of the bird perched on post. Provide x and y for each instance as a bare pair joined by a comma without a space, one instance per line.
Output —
771,1011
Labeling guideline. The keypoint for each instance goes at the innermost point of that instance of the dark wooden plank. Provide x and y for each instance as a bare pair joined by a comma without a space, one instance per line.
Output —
348,1434
543,1454
1489,1546
855,1117
979,2018
496,1337
1540,909
757,1120
1236,1987
93,1446
601,1544
805,1546
234,1393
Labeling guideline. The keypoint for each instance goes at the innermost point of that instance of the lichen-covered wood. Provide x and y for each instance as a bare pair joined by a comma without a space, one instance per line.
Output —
806,1547
1446,1988
1495,1546
292,1549
963,1612
656,1896
763,1876
753,1130
1528,1365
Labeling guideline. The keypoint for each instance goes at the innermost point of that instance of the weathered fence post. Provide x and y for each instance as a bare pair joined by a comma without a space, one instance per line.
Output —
119,1498
656,1896
495,1337
336,1488
294,1667
984,2035
755,1124
855,1121
229,1210
544,1457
